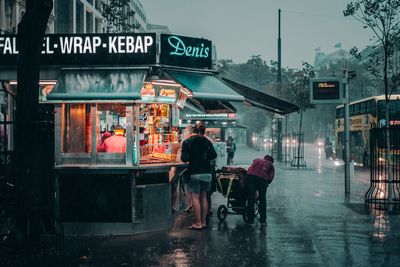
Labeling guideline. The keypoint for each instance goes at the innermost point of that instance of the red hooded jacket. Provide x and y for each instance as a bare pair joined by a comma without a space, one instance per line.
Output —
263,168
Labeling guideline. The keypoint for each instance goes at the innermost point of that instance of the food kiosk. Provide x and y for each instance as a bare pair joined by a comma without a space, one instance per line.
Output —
125,87
103,192
116,101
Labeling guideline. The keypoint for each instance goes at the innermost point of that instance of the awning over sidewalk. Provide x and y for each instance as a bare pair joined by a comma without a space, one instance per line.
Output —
76,85
204,86
211,106
262,100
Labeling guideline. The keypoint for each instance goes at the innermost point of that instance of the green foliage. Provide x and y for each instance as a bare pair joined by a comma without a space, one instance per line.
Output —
354,52
117,15
382,17
296,85
255,72
258,74
224,66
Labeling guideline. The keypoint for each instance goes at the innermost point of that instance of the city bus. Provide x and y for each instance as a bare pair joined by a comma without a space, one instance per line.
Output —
365,114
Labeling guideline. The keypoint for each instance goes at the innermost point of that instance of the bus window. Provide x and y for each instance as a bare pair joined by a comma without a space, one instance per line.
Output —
362,108
351,110
394,107
339,113
372,107
381,109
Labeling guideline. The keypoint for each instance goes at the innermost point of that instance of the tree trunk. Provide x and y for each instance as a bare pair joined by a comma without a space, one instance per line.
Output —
31,30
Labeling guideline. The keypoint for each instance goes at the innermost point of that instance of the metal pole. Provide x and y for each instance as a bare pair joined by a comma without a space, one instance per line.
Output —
279,47
346,134
286,138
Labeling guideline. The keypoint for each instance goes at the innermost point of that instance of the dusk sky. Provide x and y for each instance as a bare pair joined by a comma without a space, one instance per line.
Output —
241,29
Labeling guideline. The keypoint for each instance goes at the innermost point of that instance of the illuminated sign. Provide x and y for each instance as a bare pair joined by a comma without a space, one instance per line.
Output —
185,51
167,95
87,49
156,92
326,91
148,93
216,116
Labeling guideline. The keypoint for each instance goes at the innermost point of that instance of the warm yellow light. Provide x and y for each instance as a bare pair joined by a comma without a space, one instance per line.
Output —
41,82
148,86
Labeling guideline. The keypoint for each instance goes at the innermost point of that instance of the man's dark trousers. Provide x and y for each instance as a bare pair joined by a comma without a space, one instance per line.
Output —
255,183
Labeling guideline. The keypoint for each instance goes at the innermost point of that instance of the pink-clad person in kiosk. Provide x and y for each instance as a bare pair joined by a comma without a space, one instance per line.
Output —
115,143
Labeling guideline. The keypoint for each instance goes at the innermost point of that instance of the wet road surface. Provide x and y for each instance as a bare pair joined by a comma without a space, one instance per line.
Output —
309,224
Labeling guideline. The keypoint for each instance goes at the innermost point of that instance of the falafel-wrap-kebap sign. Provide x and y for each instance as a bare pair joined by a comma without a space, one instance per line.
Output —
87,49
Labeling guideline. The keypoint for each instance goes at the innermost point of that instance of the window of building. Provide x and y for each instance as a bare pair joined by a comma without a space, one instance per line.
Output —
98,25
89,22
79,17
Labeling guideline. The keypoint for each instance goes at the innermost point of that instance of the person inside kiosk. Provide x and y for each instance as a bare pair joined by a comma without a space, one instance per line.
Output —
146,128
115,143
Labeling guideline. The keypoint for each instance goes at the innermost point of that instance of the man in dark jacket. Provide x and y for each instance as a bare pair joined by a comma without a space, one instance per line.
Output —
259,175
199,151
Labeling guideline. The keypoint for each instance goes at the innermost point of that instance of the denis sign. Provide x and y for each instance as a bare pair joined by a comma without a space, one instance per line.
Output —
87,49
185,51
326,91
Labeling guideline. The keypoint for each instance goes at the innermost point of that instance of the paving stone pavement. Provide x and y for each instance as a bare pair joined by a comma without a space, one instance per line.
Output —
309,224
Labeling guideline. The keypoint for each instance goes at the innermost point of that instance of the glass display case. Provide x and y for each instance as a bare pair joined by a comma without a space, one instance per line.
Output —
158,139
124,132
116,133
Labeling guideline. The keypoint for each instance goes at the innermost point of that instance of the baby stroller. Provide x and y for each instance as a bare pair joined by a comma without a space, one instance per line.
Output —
231,184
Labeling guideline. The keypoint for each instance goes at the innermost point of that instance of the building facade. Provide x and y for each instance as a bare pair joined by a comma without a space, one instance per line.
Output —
72,16
85,16
11,12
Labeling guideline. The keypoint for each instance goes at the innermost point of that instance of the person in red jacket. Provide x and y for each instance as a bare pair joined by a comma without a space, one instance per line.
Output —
259,175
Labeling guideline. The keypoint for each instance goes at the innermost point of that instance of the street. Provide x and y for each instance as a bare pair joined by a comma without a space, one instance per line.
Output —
103,109
309,224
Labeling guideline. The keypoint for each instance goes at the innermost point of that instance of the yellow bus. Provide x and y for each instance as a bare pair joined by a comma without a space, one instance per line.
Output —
365,114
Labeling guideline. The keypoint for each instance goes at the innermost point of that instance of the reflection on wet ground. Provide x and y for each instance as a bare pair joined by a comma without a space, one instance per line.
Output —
381,224
309,224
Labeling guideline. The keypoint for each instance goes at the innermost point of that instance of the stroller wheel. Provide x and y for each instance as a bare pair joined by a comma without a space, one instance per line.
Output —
222,212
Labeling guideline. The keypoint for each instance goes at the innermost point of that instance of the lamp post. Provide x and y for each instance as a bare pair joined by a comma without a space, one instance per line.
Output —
347,76
279,48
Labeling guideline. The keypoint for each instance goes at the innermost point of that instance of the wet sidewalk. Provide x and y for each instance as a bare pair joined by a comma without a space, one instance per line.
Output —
309,224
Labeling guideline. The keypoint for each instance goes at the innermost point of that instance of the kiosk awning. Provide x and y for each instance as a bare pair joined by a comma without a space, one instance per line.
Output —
211,106
77,85
204,86
262,100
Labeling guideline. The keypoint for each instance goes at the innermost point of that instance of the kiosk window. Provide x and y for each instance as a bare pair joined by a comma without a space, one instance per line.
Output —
77,129
111,128
157,138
